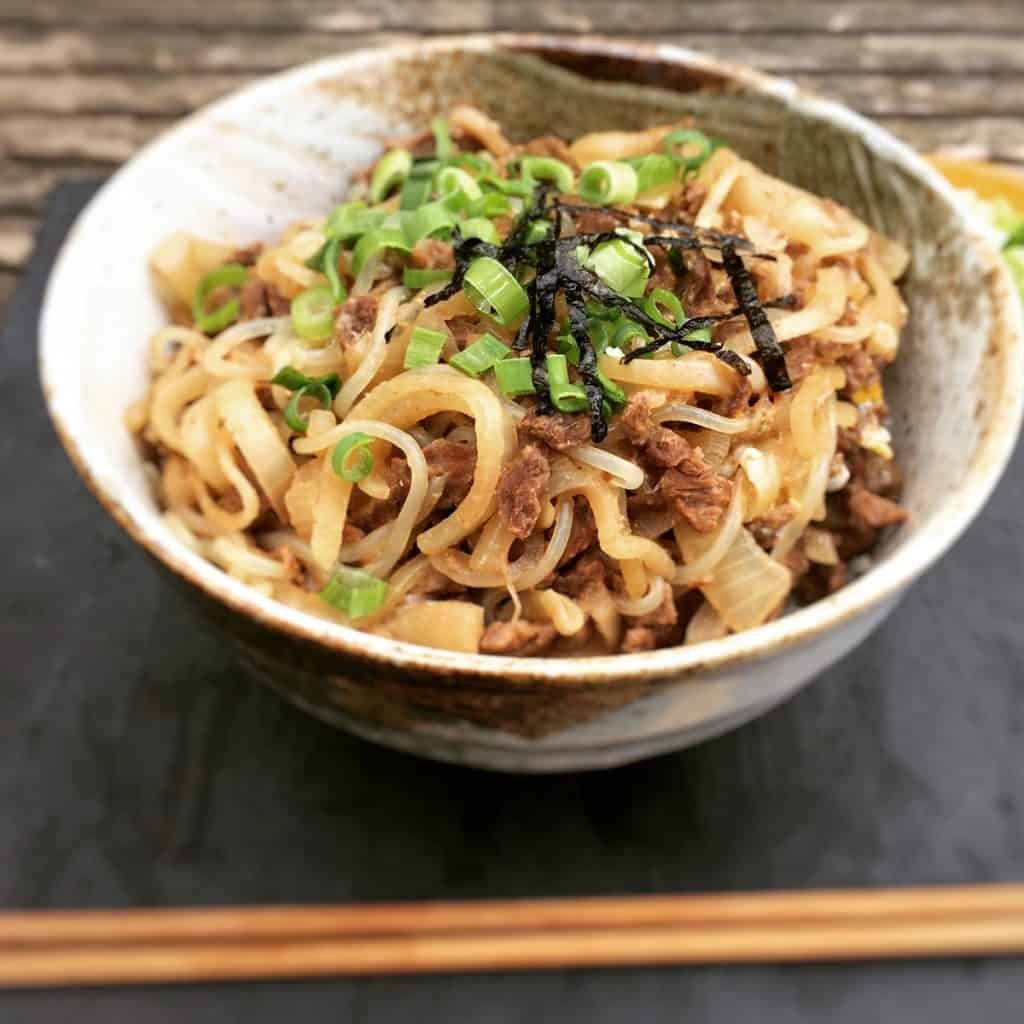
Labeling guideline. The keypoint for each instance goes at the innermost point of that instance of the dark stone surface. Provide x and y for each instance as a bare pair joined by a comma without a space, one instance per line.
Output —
137,767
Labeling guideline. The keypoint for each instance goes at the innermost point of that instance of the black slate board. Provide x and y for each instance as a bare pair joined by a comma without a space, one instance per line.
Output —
138,767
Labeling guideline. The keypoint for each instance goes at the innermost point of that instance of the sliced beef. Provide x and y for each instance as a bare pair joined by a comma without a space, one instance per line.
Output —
553,146
736,403
801,358
877,474
368,513
591,222
703,293
820,581
766,529
432,254
258,298
692,199
661,446
656,629
432,583
521,489
356,316
588,572
863,380
518,639
247,255
584,531
559,431
696,492
663,275
873,509
457,463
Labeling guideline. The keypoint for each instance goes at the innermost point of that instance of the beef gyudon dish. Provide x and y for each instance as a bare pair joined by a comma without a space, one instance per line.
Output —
544,398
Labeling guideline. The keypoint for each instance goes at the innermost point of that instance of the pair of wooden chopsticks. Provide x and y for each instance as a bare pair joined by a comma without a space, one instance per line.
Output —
45,948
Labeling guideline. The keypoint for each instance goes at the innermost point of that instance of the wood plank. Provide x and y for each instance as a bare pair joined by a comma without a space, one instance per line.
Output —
176,94
146,94
234,51
992,138
611,16
94,139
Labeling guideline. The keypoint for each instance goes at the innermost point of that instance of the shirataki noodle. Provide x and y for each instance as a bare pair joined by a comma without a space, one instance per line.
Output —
420,415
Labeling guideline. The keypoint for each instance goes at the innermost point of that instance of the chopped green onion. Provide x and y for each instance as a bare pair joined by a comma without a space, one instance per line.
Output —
661,300
442,138
421,277
514,376
424,347
480,163
509,186
612,392
621,266
480,227
323,389
376,241
480,356
354,592
313,313
608,183
415,192
654,171
492,204
293,417
567,397
357,445
688,148
537,231
428,220
350,220
391,170
494,291
231,275
625,332
664,307
456,188
292,379
329,266
546,168
567,346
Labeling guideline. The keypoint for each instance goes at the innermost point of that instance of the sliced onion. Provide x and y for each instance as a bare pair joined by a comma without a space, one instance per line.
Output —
820,546
705,625
257,439
748,586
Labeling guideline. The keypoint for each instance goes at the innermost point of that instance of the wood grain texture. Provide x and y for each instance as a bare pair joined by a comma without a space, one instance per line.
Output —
83,86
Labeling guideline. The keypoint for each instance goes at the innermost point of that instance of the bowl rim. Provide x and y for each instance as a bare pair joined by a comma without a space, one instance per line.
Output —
883,581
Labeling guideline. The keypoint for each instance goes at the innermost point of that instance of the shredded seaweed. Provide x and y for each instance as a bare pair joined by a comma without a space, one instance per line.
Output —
556,269
772,358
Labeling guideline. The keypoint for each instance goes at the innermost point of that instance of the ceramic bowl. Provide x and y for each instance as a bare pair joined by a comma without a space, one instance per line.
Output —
287,148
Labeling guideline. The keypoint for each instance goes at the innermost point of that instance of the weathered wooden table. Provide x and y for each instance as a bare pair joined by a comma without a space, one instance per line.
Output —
84,83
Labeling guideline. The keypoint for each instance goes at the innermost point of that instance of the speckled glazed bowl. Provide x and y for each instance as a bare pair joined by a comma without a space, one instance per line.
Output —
287,147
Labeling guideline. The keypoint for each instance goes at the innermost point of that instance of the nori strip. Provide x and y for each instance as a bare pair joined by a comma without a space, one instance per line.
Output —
557,269
772,358
575,303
